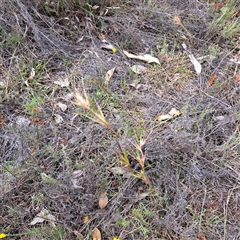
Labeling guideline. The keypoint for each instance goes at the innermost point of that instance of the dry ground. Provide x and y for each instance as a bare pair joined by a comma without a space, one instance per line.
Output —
61,161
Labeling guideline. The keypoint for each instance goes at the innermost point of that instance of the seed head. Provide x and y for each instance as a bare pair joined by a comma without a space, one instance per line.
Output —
82,101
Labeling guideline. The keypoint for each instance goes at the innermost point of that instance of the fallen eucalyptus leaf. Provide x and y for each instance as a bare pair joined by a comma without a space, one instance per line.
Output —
107,45
62,106
75,178
173,113
103,200
78,234
196,64
140,86
141,196
37,220
138,69
22,121
62,82
109,75
44,215
121,171
164,117
146,57
58,118
69,96
95,7
96,234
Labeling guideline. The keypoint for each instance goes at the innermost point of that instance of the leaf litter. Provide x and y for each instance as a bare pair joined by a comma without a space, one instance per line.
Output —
44,215
103,200
144,57
96,234
182,157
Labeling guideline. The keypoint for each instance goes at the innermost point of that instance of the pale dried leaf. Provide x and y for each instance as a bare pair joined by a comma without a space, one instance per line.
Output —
80,39
138,69
173,113
78,234
44,215
37,220
58,118
146,57
69,96
164,117
51,219
26,83
77,174
121,171
62,106
75,178
140,86
130,55
184,46
107,45
22,121
96,234
62,82
196,64
103,200
142,196
95,7
32,74
235,60
218,118
109,75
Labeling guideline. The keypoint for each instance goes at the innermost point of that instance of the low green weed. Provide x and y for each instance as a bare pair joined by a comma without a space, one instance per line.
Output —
225,23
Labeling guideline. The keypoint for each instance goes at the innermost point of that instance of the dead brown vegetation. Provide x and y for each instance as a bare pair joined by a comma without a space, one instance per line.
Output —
192,161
